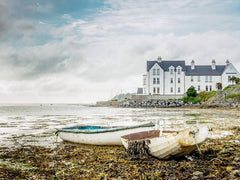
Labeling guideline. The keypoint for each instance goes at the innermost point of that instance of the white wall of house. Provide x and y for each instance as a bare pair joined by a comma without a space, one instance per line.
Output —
180,81
202,83
229,72
155,80
174,82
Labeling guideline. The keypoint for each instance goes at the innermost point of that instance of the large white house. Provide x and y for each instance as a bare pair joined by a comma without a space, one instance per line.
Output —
172,78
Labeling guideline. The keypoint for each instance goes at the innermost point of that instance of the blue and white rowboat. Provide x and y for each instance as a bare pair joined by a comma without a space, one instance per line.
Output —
100,135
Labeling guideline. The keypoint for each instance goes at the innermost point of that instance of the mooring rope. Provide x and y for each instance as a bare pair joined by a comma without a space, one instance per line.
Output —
194,136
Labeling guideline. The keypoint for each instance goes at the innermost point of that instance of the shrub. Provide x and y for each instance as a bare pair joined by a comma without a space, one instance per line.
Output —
232,96
204,95
193,100
191,92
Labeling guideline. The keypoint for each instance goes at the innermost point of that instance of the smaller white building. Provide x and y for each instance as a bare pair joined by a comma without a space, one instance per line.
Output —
172,78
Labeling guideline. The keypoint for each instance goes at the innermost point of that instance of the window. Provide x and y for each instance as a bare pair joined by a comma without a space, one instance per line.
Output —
179,90
158,81
171,81
198,88
158,71
206,78
158,90
154,90
144,81
210,78
178,71
206,88
191,78
154,80
171,71
179,80
171,89
210,88
154,71
199,79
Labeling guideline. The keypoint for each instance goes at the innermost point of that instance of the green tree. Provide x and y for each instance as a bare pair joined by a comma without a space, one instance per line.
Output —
191,92
219,86
233,79
237,80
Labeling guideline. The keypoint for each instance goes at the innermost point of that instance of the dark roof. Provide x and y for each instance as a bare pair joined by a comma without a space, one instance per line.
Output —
205,71
198,71
166,64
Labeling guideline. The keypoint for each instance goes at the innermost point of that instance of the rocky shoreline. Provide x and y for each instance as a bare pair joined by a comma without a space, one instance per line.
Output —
166,104
219,159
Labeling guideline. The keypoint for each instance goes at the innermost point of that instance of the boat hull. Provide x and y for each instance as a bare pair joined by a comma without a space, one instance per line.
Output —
101,137
169,144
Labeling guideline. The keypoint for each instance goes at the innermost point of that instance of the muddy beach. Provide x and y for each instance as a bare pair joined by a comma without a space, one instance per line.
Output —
219,157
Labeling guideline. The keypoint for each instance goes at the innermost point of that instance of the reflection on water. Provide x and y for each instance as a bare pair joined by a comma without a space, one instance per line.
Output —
35,124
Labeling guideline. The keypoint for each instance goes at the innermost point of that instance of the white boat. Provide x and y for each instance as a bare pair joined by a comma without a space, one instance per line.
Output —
166,144
100,135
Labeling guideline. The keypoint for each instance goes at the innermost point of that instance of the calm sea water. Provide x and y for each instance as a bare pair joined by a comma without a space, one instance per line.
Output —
22,125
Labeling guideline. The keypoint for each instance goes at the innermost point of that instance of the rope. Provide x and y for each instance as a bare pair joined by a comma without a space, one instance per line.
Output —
194,136
214,159
56,138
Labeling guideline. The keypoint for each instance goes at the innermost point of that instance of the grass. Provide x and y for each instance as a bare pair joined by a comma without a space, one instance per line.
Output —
237,95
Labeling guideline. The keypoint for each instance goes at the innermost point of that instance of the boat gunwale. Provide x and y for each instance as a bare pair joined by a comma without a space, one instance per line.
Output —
150,124
140,136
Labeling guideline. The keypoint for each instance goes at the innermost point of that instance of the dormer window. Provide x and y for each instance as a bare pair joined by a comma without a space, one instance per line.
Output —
171,69
179,68
154,71
158,71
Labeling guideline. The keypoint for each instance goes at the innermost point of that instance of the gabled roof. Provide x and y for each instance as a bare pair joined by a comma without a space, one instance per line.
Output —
166,64
205,71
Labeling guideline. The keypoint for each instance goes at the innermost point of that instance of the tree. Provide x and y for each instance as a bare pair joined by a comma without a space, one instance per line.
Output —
219,86
235,80
191,92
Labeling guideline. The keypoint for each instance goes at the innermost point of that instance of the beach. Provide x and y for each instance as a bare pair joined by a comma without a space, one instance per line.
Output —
32,159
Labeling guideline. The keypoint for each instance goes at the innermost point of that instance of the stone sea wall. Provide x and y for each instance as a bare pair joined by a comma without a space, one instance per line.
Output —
152,103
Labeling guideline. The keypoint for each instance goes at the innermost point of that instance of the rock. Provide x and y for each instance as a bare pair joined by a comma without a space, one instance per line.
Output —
236,159
197,175
235,173
229,168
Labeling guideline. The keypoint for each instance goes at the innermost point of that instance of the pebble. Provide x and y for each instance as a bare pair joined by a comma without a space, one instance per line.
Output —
197,175
235,173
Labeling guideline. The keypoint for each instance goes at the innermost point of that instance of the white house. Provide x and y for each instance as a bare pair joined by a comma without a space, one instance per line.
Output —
172,78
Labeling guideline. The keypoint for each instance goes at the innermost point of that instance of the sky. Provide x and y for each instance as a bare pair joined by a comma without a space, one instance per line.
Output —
83,51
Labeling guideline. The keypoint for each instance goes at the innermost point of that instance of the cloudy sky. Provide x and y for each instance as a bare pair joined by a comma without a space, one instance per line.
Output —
81,51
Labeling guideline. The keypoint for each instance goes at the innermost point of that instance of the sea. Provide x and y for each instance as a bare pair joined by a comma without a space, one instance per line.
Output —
36,124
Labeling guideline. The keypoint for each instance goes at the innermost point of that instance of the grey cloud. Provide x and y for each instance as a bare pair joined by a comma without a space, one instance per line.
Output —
16,18
29,66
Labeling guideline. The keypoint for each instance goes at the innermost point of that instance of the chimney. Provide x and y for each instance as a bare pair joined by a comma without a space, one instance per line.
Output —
213,64
192,65
227,62
159,59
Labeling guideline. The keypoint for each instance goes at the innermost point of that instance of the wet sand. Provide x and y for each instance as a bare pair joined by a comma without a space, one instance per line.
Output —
219,159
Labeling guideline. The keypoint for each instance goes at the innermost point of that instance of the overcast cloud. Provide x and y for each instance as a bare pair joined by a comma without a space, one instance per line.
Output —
84,51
